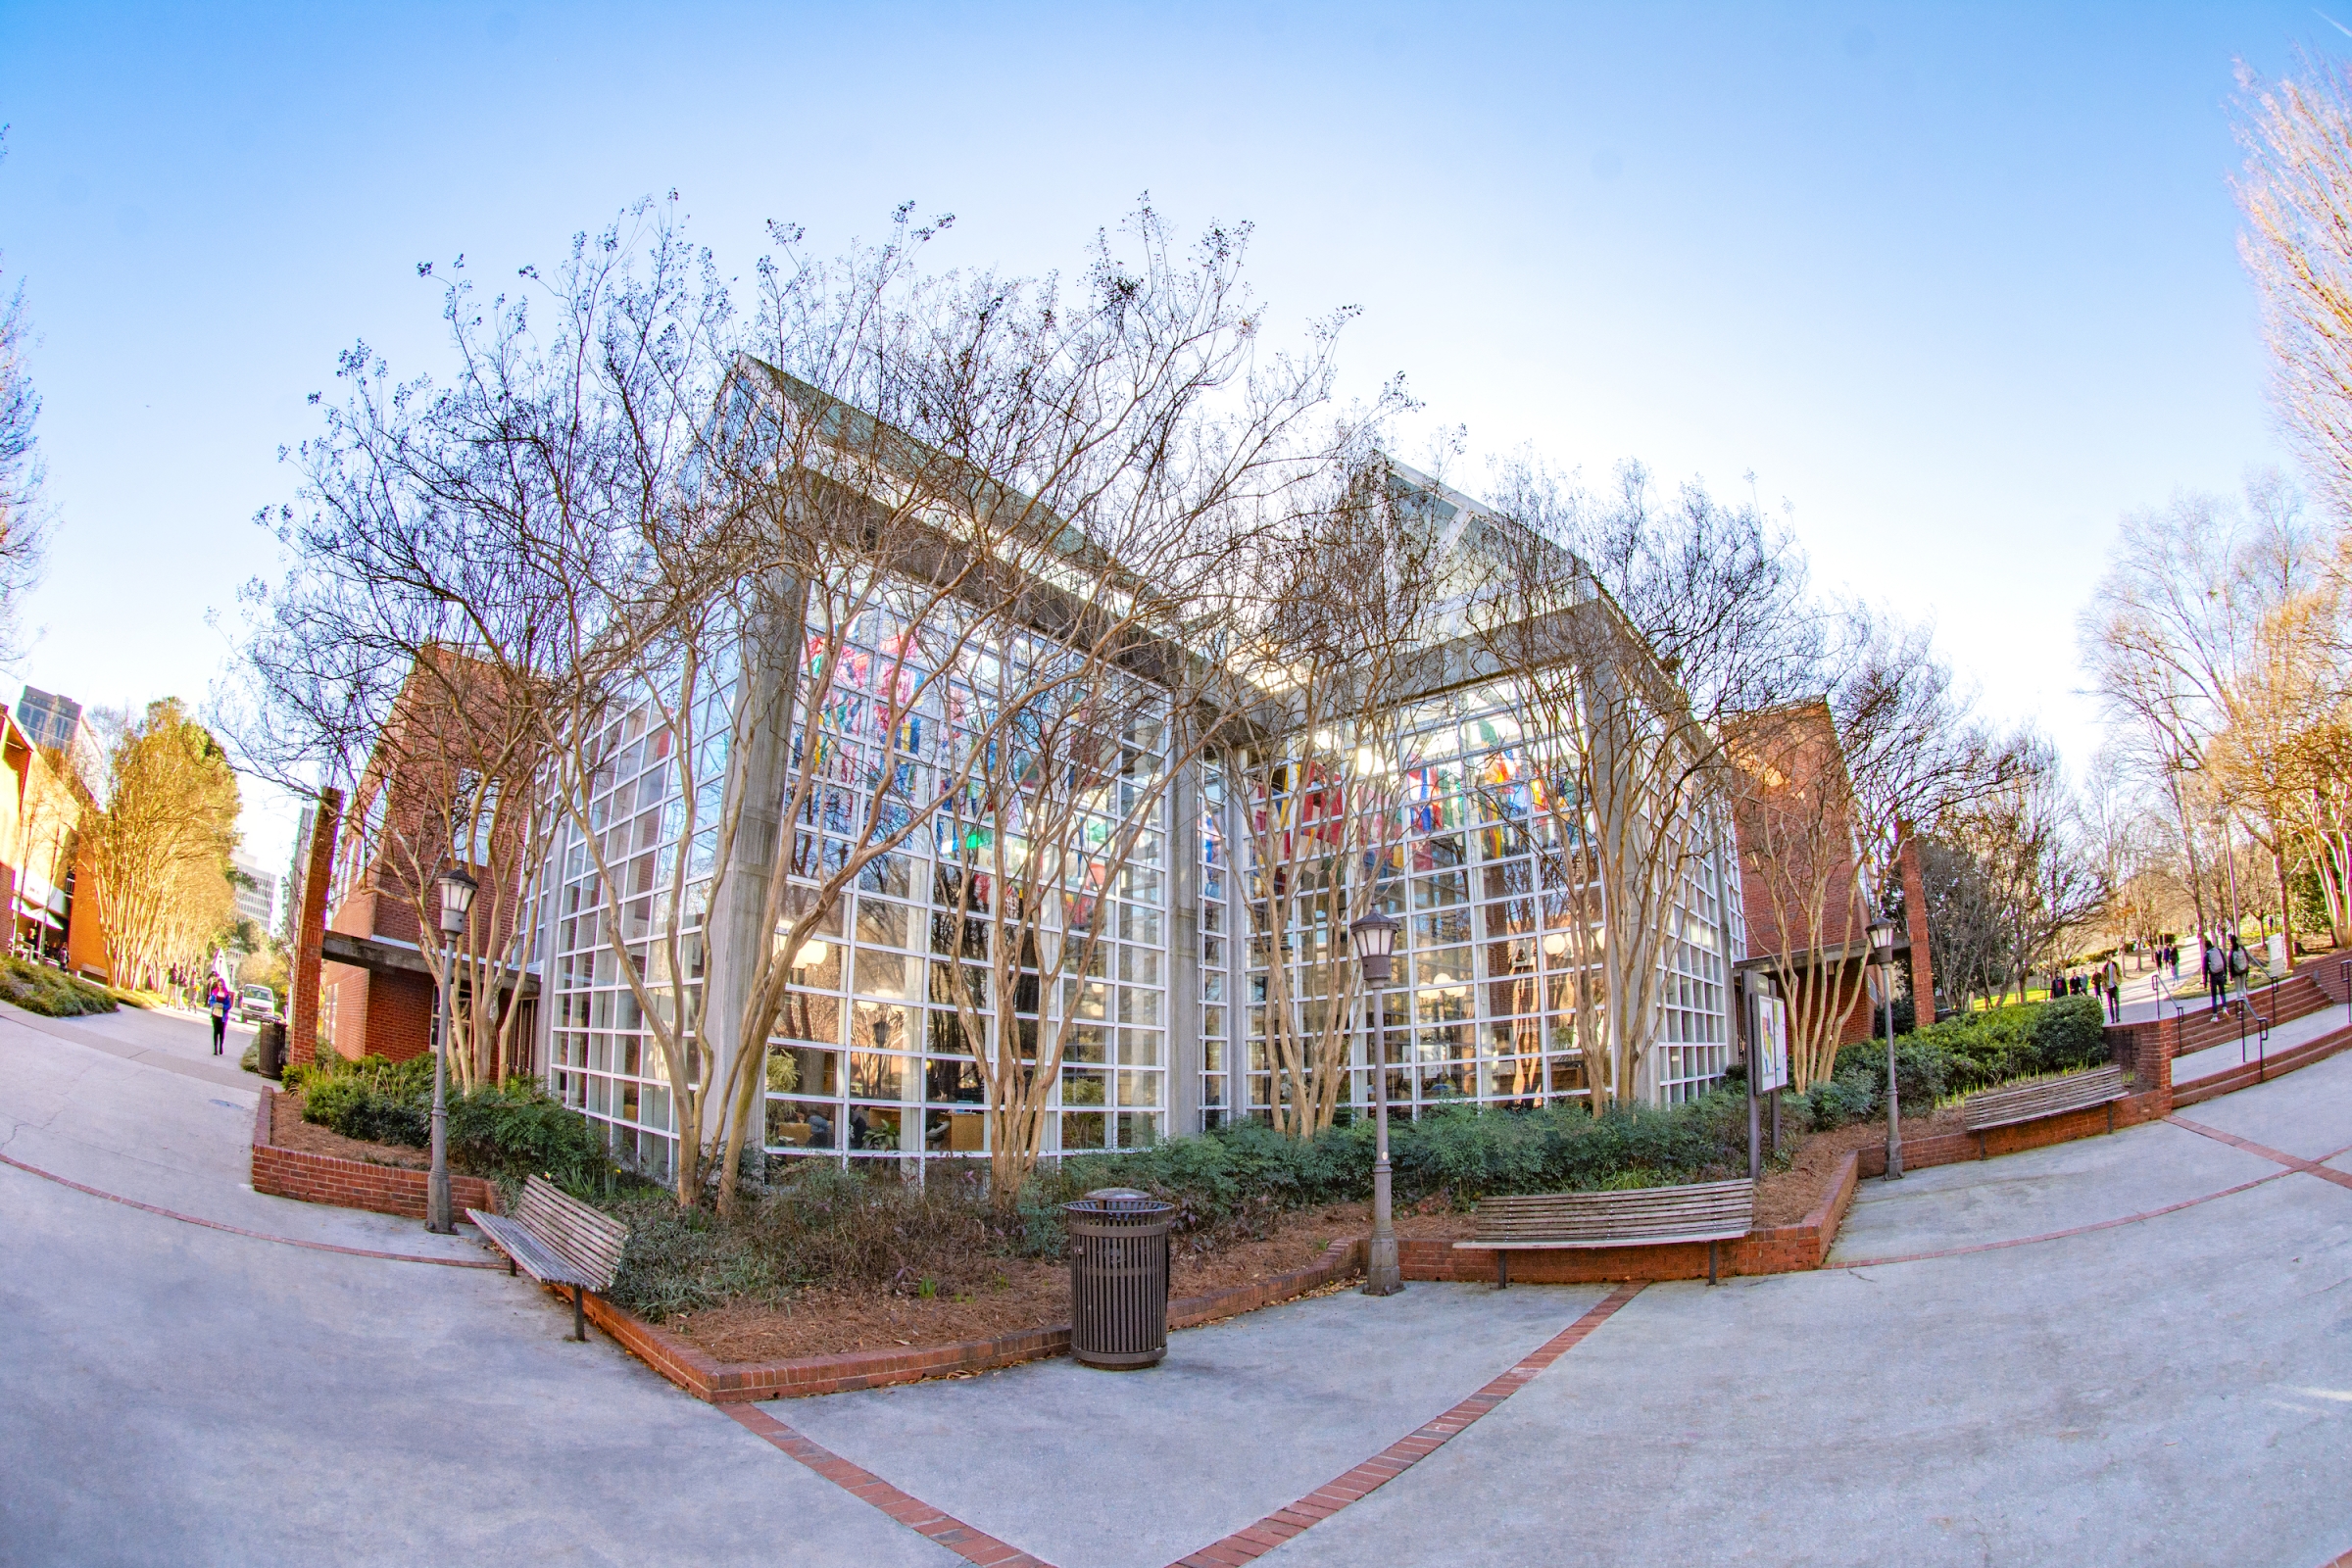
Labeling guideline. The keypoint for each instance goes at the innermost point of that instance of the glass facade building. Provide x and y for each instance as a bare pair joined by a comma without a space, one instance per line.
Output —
1166,1026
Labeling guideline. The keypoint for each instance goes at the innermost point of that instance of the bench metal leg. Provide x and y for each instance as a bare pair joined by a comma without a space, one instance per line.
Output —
1981,1145
1711,1246
1502,1270
579,1327
2111,1115
510,1268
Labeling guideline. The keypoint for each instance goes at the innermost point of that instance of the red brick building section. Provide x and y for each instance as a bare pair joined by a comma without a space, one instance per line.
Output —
1794,818
447,730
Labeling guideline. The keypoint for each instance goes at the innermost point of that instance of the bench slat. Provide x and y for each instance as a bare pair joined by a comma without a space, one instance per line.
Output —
588,1242
2004,1107
525,1250
1704,1212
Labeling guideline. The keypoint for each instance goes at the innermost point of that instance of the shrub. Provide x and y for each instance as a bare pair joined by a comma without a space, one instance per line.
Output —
506,1131
517,1129
2071,1033
52,993
820,1225
1836,1101
1922,1071
1239,1177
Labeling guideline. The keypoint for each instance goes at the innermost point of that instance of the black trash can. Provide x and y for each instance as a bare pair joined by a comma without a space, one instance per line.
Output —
270,1049
1118,1277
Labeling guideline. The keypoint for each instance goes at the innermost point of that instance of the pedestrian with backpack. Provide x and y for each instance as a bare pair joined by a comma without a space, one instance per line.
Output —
2240,963
2217,975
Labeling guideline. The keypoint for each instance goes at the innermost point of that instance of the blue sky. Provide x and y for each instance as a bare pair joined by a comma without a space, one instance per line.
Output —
1957,284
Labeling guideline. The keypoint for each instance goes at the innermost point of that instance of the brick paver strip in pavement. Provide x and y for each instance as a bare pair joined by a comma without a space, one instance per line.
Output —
2278,1156
1255,1541
1243,1546
239,1230
970,1543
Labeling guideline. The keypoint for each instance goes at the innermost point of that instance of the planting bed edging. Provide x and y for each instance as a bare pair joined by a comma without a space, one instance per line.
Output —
1780,1249
719,1382
313,1178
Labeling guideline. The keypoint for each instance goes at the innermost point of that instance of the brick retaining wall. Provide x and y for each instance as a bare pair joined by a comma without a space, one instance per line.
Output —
315,1178
735,1382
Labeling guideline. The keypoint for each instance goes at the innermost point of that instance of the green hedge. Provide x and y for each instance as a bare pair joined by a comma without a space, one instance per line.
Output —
1247,1174
507,1131
1975,1050
52,993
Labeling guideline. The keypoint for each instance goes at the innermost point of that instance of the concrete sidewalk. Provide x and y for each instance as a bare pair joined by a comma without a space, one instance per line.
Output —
2163,1389
2198,1065
146,1131
1132,1470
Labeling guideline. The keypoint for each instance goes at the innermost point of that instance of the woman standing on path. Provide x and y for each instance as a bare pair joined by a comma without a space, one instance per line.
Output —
216,1003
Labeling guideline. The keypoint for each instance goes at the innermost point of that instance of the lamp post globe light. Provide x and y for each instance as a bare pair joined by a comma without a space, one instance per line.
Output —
1882,953
457,903
1374,938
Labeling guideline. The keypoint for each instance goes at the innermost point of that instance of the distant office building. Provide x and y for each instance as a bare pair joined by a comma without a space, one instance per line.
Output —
257,897
55,724
47,718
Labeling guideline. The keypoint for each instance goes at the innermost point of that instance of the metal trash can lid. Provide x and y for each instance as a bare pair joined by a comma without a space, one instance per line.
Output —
1119,1201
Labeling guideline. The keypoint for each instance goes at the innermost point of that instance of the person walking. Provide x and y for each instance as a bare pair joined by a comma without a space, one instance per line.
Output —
2217,974
216,1003
2240,961
2172,958
2111,982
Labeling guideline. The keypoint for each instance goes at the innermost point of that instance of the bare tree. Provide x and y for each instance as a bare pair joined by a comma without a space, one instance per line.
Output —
22,524
2296,196
1634,629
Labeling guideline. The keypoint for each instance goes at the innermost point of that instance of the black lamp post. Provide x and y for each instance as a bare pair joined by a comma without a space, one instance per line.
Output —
457,901
1882,953
1375,940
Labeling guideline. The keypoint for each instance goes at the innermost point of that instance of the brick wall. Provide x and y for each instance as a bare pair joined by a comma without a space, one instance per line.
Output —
315,1178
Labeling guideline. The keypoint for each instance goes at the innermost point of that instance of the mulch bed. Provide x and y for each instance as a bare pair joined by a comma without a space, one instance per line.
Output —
1787,1197
287,1130
1026,1294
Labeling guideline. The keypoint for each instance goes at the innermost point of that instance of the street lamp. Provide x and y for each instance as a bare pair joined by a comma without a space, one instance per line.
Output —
1375,940
1882,953
457,901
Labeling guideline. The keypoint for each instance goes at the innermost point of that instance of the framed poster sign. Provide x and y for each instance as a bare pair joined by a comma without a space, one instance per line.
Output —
1771,1045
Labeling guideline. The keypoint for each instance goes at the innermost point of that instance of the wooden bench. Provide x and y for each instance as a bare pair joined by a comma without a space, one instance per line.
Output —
1712,1213
558,1241
2077,1091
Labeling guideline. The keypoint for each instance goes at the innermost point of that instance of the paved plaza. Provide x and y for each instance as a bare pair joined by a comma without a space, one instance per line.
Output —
2008,1364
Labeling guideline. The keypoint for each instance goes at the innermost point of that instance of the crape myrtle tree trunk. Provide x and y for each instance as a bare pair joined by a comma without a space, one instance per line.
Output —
1319,677
1631,629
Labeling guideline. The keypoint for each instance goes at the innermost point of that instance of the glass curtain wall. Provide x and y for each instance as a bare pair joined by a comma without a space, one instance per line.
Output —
602,1058
879,1068
1483,879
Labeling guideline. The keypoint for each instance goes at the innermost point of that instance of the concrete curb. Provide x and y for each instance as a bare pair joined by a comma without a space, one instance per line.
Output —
719,1382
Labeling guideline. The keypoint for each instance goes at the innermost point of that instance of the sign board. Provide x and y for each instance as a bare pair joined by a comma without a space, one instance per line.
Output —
1771,1039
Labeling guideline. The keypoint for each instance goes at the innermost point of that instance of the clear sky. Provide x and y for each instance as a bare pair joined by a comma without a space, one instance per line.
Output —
1958,284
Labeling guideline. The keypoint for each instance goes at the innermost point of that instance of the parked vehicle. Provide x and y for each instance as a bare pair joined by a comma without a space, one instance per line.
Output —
256,1004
